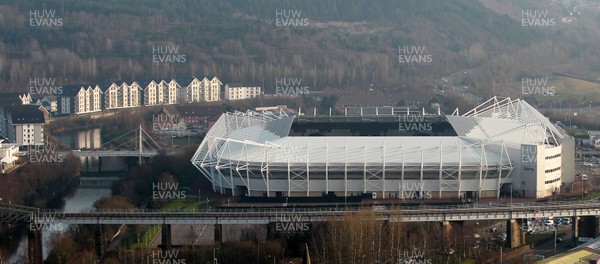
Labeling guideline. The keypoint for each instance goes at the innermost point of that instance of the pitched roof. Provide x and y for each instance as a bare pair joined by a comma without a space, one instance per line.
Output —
26,114
71,90
8,99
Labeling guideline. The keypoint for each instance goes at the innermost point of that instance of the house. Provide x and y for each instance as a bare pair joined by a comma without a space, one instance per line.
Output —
212,89
66,101
180,91
135,95
7,155
190,90
122,96
9,100
78,99
173,89
26,124
161,91
111,95
50,103
88,100
241,91
150,92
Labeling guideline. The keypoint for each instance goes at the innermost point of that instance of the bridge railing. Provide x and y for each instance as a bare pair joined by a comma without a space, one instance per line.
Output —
257,211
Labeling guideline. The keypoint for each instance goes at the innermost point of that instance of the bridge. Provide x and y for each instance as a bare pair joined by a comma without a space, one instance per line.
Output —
144,146
10,213
585,215
110,153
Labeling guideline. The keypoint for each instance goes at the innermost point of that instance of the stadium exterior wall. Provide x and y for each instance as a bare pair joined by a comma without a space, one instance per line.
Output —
504,146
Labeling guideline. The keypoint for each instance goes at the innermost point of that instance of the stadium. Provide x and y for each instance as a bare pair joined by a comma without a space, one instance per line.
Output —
501,146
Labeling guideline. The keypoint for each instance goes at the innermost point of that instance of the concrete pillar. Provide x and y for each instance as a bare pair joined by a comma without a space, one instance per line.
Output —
165,237
515,237
218,233
574,229
34,247
99,242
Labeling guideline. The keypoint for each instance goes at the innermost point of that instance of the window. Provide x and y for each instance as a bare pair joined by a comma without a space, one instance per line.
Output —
552,170
552,181
553,156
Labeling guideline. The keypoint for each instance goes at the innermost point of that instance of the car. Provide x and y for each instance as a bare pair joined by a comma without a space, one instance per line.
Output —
584,177
588,164
566,221
558,240
549,222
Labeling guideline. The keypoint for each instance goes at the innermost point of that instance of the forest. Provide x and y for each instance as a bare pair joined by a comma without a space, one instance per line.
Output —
343,46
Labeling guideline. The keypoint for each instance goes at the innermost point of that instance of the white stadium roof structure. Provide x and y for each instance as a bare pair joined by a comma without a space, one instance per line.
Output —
255,151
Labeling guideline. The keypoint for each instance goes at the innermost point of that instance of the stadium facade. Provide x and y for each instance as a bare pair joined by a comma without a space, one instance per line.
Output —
503,145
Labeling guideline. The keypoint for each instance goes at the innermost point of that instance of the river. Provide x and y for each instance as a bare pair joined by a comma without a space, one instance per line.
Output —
84,197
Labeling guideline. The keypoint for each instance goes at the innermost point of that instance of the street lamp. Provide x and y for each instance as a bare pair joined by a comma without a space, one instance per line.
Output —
215,256
555,231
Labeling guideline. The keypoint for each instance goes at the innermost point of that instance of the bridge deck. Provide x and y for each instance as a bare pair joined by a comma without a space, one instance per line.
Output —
264,216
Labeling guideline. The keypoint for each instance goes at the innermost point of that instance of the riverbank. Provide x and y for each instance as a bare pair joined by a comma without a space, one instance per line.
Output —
37,185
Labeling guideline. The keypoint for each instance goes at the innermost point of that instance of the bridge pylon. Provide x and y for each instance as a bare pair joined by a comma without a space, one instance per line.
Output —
165,237
34,247
99,243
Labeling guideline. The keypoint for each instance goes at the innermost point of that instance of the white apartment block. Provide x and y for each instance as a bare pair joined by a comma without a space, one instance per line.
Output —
111,96
192,90
239,91
213,92
150,93
173,90
122,96
88,100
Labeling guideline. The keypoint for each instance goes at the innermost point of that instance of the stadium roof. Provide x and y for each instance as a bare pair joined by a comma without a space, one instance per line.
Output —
254,137
410,150
513,121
